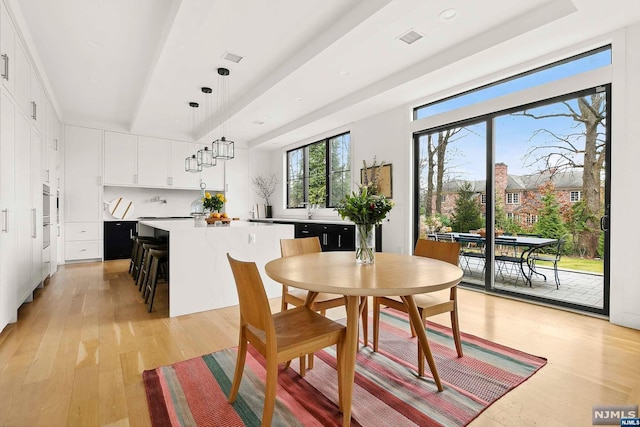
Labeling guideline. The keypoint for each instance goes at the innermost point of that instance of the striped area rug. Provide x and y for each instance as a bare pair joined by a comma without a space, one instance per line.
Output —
387,390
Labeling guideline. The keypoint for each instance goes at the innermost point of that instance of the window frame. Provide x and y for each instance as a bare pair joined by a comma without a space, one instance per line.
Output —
515,198
575,200
328,202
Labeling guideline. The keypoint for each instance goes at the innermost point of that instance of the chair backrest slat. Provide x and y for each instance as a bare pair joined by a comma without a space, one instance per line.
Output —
254,304
443,251
304,245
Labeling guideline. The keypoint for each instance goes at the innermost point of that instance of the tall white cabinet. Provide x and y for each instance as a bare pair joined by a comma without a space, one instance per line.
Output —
8,217
26,164
83,193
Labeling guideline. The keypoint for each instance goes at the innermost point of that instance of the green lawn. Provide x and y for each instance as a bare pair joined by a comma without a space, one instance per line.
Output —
580,264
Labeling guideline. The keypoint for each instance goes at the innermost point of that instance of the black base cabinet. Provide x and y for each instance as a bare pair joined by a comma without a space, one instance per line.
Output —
118,237
334,237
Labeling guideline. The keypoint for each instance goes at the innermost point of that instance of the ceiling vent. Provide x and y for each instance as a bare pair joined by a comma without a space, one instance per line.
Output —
232,57
411,36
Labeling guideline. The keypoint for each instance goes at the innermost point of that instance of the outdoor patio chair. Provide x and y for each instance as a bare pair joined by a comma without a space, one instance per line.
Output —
545,254
471,247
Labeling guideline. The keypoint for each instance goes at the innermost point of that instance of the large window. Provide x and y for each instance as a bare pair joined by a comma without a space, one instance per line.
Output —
542,165
319,173
569,67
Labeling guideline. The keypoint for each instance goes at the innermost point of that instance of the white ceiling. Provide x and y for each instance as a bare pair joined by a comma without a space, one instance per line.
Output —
308,66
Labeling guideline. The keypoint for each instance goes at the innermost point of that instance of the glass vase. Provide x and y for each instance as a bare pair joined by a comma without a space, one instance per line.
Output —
365,243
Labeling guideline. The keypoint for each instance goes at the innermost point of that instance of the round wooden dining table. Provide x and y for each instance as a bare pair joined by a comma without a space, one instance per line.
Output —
390,275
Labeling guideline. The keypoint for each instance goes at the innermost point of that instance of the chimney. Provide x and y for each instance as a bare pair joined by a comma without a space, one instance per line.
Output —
501,179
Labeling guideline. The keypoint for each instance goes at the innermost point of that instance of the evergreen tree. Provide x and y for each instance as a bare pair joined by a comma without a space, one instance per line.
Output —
550,224
466,215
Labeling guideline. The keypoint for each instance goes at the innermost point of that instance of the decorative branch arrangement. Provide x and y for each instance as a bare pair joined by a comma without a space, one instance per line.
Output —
265,186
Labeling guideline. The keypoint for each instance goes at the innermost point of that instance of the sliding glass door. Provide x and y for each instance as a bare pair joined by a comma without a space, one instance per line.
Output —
550,191
525,192
450,179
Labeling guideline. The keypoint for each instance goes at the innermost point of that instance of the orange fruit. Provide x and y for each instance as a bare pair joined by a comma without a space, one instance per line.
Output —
214,215
224,215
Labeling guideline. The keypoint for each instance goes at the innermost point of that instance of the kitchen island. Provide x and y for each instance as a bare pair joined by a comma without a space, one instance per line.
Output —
200,278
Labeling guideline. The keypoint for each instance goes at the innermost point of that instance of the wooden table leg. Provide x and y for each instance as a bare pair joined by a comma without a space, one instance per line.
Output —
349,358
416,321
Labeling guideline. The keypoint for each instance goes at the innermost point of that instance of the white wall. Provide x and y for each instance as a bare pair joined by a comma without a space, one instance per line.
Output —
625,152
388,136
178,201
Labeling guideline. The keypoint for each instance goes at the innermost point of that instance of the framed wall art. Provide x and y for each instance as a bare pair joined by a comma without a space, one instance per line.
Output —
385,182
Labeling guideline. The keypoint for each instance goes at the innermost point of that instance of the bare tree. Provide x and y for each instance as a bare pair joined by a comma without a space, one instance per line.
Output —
568,153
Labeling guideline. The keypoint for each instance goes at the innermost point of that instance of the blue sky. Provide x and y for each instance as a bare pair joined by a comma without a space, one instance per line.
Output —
512,133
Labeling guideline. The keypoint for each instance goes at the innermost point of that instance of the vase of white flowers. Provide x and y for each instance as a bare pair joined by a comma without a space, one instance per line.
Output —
265,186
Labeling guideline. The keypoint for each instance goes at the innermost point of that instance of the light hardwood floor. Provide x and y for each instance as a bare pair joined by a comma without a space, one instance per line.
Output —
76,355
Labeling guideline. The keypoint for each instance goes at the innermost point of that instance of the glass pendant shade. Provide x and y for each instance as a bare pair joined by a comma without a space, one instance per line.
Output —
191,164
205,158
222,149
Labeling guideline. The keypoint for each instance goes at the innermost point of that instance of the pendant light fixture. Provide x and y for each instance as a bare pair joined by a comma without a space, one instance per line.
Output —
204,156
191,163
222,148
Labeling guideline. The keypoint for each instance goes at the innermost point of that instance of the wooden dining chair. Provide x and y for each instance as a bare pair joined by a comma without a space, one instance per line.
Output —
278,337
428,304
324,301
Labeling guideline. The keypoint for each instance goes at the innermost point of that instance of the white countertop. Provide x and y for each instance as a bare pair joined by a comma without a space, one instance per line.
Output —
189,224
302,220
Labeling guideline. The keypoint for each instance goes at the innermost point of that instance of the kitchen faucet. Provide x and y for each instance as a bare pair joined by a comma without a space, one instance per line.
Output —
309,212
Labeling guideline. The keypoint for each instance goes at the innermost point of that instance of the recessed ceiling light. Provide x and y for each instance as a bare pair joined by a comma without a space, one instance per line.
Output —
448,14
232,57
410,36
257,122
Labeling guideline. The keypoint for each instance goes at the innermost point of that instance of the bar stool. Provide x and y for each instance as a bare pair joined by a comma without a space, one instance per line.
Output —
145,263
136,254
159,260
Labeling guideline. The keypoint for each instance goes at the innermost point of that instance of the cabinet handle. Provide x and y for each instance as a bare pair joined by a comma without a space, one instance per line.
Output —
324,238
339,240
34,223
83,231
5,222
48,175
135,178
83,250
34,109
5,74
131,234
170,180
55,147
58,231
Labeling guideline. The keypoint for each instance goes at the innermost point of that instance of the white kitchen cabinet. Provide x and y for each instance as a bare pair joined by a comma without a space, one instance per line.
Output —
83,241
7,40
25,224
237,189
83,174
179,177
8,226
37,201
153,162
120,159
22,80
214,176
38,109
83,184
